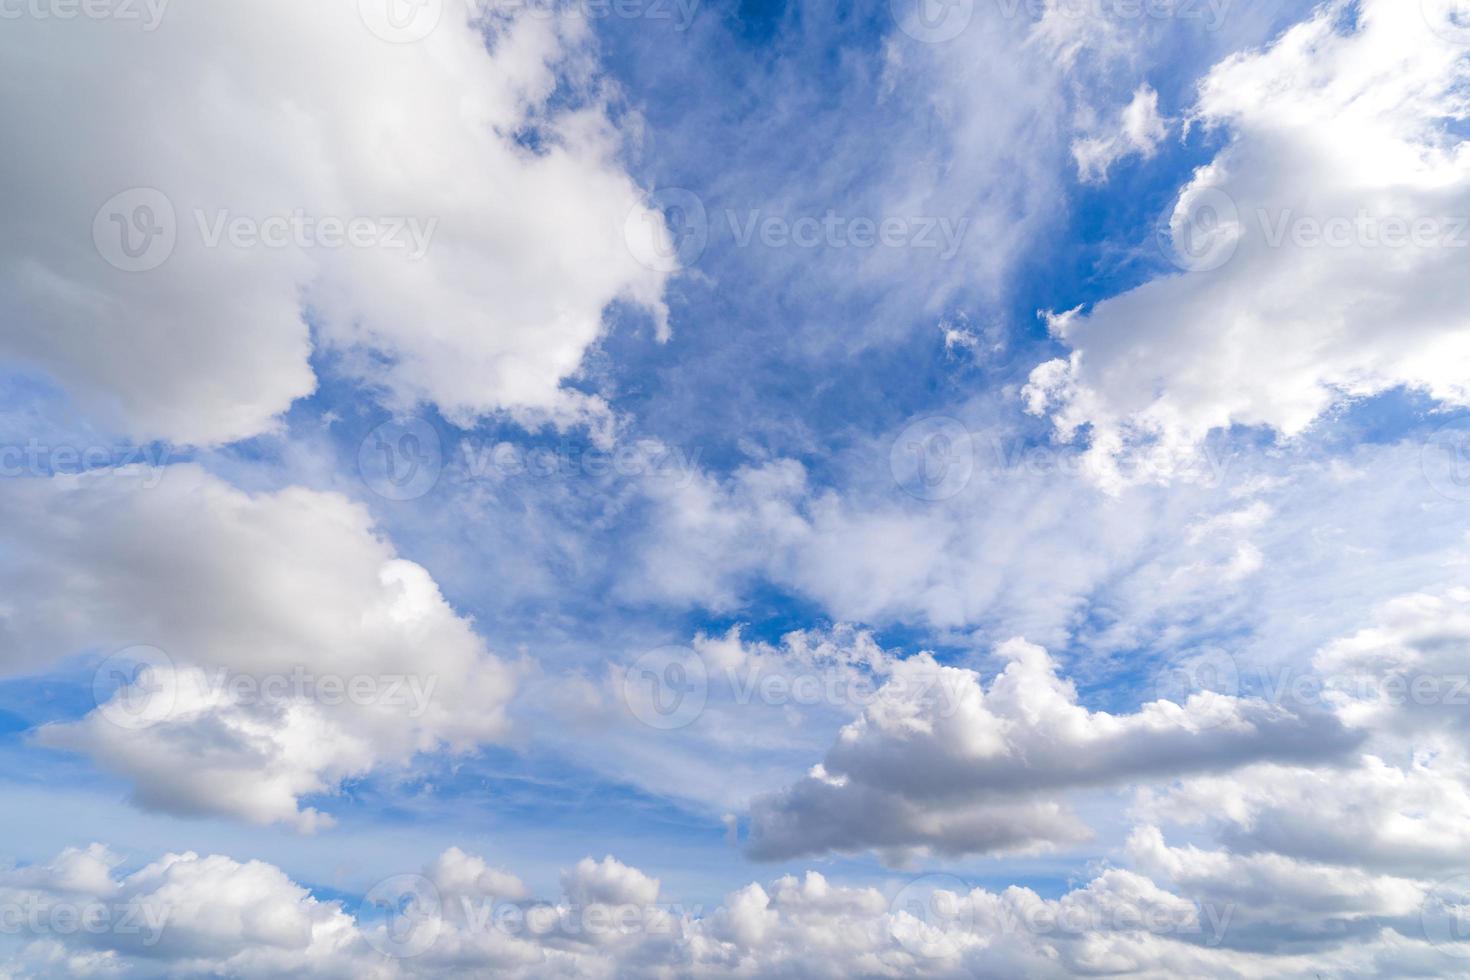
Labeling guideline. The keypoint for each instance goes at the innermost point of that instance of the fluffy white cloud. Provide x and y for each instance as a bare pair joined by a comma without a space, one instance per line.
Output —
180,915
286,111
194,916
292,647
1138,131
1339,204
942,763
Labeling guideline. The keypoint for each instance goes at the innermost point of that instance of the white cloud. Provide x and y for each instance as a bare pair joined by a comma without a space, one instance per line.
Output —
214,915
941,763
258,112
1338,205
1138,131
300,649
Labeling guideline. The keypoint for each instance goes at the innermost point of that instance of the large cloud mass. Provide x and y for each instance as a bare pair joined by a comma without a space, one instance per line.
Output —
290,646
1340,204
277,110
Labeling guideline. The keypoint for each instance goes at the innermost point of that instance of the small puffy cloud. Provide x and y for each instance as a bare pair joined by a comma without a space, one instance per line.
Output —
1138,132
608,882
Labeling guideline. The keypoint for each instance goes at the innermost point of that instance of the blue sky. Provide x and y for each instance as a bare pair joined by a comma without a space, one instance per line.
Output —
1250,463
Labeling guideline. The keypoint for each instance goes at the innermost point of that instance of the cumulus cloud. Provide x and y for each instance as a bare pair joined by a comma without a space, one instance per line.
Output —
213,915
1138,131
1400,807
184,914
951,766
494,233
1338,205
285,646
